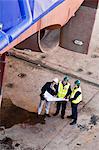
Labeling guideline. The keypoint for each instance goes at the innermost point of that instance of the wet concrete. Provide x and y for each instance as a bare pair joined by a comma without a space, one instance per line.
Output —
11,115
94,119
6,143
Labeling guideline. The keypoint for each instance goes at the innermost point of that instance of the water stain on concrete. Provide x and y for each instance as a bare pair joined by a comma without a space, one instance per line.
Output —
94,119
17,145
6,143
11,115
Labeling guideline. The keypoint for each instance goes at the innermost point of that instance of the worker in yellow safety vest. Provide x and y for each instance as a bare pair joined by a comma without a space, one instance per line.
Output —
75,98
64,89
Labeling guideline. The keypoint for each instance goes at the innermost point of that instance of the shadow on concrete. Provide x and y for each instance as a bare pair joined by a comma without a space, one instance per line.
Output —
79,28
91,3
11,115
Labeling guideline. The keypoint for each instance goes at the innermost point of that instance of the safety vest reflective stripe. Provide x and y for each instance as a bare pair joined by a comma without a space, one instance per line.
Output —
79,98
62,90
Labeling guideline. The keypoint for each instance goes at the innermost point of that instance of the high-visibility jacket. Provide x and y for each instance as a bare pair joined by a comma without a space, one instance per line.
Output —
62,90
79,98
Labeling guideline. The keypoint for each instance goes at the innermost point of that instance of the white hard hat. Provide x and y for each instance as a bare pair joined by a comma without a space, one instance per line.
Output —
56,80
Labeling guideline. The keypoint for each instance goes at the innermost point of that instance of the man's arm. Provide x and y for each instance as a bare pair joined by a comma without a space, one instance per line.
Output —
69,92
76,95
43,89
56,89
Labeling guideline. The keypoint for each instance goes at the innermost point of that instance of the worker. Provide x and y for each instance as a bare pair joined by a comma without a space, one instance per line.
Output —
64,89
75,98
52,88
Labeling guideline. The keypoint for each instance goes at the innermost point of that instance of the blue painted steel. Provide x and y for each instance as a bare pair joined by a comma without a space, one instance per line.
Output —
41,8
10,13
18,15
26,22
3,40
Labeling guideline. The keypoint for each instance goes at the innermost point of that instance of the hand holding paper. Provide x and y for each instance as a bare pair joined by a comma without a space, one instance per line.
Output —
50,98
66,100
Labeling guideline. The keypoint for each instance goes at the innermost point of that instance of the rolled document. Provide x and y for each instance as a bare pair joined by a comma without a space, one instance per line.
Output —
51,98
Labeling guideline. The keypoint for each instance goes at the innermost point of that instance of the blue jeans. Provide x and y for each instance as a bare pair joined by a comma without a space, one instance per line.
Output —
47,106
74,111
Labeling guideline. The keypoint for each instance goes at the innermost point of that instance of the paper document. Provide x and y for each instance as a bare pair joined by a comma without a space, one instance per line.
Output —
51,98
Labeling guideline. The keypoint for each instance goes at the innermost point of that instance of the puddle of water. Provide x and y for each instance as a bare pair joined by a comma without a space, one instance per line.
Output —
11,115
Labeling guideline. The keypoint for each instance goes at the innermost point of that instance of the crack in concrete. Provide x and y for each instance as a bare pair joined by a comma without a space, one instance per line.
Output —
55,135
76,136
42,65
89,100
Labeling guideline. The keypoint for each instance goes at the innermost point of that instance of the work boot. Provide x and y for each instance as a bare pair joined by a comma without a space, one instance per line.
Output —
38,115
55,114
62,117
73,122
69,117
47,115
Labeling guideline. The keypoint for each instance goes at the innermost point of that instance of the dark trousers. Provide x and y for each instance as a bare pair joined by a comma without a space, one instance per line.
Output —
59,105
74,111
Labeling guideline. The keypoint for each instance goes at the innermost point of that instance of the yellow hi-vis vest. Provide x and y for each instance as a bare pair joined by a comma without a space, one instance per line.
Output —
79,98
62,90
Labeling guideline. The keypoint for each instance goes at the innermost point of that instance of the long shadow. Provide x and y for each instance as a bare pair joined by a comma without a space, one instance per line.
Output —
91,3
11,115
